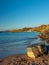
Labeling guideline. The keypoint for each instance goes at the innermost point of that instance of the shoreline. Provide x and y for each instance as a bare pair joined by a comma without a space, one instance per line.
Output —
23,59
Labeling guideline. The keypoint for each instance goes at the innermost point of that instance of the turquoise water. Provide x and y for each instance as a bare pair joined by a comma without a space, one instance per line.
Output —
16,43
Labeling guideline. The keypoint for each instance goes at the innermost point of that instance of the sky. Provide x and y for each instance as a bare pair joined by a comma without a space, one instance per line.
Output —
16,14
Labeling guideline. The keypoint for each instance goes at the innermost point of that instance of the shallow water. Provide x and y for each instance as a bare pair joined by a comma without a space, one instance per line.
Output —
16,43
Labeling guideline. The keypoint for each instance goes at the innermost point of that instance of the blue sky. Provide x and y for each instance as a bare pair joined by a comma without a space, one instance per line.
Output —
23,13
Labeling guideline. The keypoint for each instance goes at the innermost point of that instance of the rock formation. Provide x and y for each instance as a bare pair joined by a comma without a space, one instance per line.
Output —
35,51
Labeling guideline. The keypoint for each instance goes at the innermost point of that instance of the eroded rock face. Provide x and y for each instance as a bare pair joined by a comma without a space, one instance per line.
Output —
37,51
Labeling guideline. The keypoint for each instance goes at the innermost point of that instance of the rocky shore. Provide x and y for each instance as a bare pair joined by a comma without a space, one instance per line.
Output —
41,58
25,60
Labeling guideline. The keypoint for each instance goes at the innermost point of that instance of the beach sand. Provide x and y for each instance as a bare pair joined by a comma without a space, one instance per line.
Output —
24,60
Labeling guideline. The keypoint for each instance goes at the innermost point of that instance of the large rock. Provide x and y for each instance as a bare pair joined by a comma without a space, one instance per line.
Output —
37,51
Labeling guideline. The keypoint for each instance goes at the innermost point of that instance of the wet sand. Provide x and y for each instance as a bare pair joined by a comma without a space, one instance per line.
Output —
24,60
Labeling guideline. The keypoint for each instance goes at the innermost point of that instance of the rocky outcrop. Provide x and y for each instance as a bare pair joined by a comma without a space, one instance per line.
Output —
45,34
39,29
35,51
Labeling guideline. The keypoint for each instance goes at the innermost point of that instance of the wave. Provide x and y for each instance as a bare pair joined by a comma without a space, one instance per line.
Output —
16,40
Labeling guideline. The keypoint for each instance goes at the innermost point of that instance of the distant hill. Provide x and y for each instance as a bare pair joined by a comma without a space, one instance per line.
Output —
20,30
32,29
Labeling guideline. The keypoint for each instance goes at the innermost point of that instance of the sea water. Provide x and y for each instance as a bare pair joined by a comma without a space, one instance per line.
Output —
12,43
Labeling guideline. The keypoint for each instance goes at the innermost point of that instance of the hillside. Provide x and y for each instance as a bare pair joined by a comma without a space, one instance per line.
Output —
32,29
45,34
20,30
